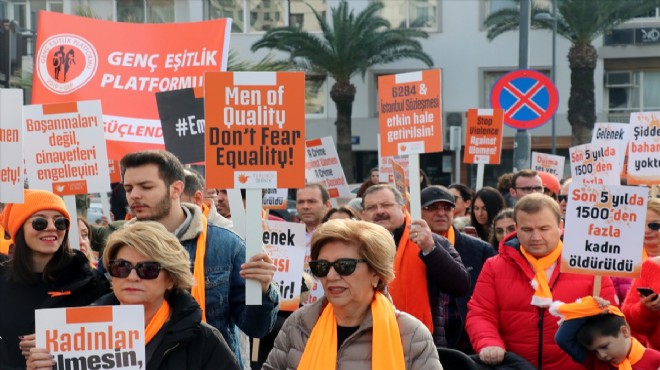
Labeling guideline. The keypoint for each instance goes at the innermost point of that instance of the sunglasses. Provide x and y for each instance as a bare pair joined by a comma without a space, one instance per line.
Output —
562,198
655,226
41,223
342,266
145,270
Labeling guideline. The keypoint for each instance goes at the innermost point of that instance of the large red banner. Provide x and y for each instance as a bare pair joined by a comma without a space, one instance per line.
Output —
124,65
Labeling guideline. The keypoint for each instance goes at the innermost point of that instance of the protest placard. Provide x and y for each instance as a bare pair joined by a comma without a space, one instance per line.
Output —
552,164
114,170
595,163
81,58
385,171
95,337
255,129
181,115
322,166
67,153
483,139
275,199
410,113
11,146
604,232
285,244
644,149
400,182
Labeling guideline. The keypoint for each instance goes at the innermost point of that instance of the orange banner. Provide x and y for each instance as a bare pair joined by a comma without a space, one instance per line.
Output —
255,129
410,112
483,139
124,65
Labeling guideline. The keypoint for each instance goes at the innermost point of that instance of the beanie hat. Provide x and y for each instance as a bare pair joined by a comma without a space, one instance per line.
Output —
14,214
550,181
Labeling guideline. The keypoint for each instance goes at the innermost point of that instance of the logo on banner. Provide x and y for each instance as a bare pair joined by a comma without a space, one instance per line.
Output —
257,179
66,63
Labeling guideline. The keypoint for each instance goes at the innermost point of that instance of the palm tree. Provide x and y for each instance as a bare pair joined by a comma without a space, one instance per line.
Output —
351,45
580,22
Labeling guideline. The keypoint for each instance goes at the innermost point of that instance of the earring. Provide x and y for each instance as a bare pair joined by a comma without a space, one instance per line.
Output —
375,284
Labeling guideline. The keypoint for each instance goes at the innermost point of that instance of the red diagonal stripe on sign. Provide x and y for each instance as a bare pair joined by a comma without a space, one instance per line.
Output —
524,99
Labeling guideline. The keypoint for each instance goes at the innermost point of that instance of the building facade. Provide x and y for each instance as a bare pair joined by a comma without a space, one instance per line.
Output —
627,76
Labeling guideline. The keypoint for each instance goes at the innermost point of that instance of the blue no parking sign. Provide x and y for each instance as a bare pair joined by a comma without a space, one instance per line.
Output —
528,98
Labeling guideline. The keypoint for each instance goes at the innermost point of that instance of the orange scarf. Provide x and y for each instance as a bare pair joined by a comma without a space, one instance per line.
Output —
205,210
450,235
386,348
543,296
583,307
157,322
634,356
409,288
198,290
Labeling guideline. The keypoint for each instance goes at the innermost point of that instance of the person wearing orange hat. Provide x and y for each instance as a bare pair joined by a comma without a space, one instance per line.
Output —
551,184
43,272
5,241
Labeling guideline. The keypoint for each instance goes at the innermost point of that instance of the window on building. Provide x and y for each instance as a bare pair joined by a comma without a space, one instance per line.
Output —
145,11
631,91
315,94
655,13
233,9
423,14
266,15
301,16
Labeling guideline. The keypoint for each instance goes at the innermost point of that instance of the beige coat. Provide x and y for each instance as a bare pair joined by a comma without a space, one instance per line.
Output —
355,353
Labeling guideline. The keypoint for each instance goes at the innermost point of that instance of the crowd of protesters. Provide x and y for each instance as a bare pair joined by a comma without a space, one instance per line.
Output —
474,283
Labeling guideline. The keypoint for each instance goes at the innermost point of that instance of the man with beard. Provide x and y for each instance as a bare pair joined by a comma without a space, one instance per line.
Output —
438,211
192,193
154,182
426,265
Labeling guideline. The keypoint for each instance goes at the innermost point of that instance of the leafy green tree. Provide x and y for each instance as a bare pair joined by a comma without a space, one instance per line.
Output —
580,22
350,45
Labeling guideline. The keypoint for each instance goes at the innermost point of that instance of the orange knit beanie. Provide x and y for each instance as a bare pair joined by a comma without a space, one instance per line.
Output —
14,215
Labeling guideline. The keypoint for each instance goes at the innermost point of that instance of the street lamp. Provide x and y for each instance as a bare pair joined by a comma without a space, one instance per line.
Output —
553,73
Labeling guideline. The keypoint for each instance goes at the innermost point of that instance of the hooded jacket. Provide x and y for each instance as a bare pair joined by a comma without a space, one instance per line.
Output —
500,312
184,342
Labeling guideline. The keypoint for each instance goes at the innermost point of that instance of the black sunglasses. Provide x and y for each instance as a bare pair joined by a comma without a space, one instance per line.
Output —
561,198
655,226
343,266
41,223
145,270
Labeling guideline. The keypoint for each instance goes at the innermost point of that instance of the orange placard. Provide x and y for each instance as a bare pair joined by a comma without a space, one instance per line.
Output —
124,65
115,174
410,113
255,129
483,139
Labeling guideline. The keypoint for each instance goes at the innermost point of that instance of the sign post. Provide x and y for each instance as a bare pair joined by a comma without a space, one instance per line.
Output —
529,99
483,140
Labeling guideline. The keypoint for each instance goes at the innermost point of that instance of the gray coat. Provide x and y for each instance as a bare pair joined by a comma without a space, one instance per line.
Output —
355,353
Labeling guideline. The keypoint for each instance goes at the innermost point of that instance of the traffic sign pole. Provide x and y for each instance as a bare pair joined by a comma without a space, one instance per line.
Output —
522,148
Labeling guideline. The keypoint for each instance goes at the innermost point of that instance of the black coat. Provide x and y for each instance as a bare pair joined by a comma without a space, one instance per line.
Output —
474,252
77,285
184,342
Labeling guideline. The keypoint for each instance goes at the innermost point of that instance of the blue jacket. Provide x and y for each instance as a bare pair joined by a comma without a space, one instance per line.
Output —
225,289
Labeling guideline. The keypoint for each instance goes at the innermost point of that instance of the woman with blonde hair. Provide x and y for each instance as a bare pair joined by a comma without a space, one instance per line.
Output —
355,324
149,267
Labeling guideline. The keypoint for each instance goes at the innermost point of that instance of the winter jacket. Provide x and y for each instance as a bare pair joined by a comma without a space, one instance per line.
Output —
225,288
77,285
445,275
474,253
621,288
641,319
355,353
184,342
500,312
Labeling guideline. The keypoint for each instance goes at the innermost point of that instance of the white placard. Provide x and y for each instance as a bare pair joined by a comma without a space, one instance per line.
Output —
285,244
604,232
644,149
613,132
275,198
11,146
322,166
94,337
67,153
595,163
552,164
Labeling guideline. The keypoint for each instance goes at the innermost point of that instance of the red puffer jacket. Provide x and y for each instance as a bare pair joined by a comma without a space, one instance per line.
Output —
500,313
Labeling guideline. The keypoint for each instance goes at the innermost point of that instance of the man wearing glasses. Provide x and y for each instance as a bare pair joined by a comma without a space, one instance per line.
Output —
525,182
426,266
438,211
